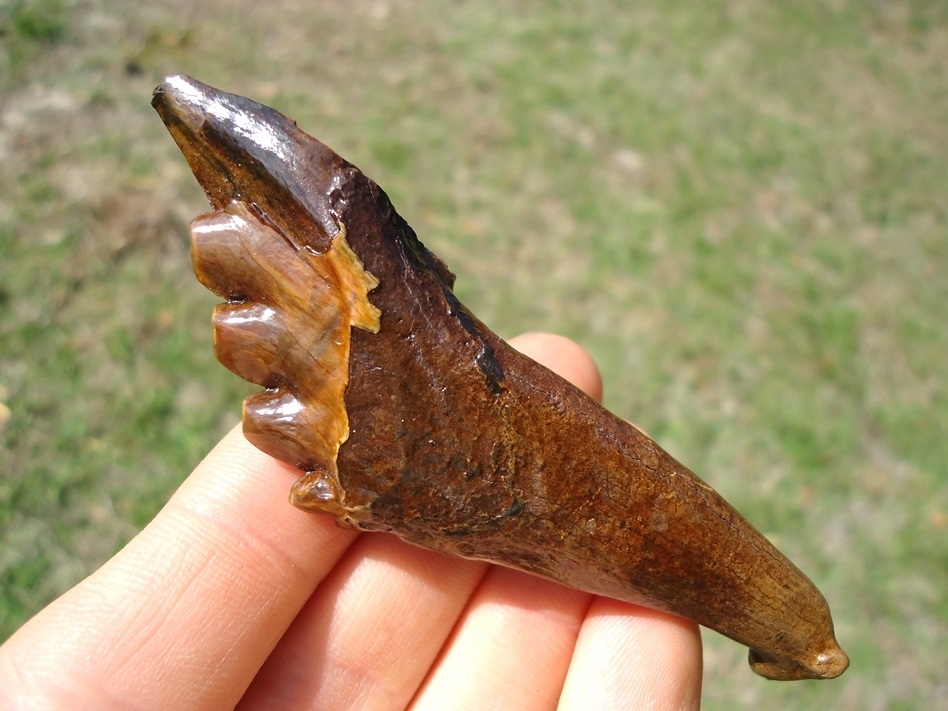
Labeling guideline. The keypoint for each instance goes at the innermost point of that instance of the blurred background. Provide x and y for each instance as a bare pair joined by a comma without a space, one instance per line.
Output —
738,207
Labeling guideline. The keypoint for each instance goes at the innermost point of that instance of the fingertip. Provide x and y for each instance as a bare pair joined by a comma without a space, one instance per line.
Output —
564,357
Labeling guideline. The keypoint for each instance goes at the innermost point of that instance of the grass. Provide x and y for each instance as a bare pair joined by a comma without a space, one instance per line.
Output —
737,207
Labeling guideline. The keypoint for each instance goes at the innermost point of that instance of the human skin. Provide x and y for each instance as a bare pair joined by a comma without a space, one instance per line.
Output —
231,597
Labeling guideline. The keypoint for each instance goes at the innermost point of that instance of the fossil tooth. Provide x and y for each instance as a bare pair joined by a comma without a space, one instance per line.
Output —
408,415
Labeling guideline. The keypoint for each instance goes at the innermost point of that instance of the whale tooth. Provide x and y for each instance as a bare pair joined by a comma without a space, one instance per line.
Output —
408,415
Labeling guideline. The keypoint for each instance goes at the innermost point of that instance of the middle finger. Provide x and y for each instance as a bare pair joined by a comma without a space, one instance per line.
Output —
369,633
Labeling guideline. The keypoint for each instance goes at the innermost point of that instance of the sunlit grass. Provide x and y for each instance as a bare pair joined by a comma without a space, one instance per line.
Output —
738,208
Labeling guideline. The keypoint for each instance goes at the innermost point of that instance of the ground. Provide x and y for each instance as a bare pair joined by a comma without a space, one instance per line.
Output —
737,207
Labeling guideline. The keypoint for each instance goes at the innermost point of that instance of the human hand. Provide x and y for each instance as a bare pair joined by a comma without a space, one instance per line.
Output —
231,597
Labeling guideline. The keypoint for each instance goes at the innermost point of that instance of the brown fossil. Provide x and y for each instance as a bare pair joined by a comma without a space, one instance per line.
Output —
408,415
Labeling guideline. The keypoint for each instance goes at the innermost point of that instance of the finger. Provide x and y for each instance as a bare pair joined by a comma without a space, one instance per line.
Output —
510,649
518,631
369,634
564,357
633,657
187,612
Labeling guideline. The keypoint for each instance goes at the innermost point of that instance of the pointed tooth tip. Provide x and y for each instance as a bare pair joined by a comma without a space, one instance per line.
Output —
180,95
179,84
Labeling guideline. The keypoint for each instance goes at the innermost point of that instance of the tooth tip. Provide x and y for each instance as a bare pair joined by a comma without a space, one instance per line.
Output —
179,90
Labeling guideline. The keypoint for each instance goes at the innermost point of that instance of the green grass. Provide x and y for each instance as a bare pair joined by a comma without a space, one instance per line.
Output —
737,207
